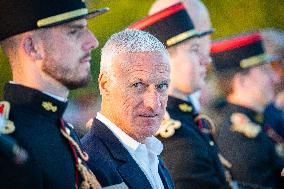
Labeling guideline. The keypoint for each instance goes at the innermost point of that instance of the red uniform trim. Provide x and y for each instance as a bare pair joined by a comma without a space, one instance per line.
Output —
74,154
236,42
149,20
2,106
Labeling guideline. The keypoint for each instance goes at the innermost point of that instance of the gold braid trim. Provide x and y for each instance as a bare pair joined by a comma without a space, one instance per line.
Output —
212,127
89,179
82,154
168,126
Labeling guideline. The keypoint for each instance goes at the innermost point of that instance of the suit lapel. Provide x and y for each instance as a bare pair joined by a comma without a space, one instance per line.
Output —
165,176
127,167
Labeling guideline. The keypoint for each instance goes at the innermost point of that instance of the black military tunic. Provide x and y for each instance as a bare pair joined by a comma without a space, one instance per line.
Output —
242,141
36,117
190,155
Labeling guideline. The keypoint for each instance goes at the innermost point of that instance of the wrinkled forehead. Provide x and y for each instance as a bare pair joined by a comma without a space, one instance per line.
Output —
141,61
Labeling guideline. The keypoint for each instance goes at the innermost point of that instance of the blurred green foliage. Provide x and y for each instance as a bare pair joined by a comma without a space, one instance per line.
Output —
228,17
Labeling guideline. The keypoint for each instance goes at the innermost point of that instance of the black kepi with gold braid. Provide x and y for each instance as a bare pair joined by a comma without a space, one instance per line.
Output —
171,25
18,16
239,52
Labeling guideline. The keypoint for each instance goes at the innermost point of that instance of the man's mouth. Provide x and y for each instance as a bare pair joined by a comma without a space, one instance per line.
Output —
86,59
148,115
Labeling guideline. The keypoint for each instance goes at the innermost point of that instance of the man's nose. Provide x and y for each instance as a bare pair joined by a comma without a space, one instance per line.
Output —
205,59
91,42
152,99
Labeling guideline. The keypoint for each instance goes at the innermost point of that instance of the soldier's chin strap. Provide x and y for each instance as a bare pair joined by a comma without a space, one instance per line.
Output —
89,179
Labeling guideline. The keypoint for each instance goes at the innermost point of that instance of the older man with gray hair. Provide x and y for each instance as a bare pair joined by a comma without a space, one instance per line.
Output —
133,82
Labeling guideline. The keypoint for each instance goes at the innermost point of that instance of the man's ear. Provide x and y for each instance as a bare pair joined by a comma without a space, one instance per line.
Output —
104,83
31,47
241,79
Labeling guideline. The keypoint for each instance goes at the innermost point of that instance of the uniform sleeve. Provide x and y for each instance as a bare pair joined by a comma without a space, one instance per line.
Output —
14,176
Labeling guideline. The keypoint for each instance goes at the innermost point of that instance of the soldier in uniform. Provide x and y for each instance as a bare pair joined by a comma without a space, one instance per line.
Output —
201,20
247,80
189,150
48,46
273,114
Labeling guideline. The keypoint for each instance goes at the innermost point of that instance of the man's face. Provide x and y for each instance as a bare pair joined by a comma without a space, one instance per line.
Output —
260,83
188,67
139,92
68,53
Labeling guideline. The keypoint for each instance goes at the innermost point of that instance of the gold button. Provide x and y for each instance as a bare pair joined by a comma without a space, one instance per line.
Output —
211,143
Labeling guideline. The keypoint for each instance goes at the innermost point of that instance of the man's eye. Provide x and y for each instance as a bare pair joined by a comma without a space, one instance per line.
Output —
195,50
73,32
163,86
138,85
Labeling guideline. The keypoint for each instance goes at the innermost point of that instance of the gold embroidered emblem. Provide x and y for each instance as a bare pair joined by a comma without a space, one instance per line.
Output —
185,107
242,124
6,126
168,126
49,107
259,118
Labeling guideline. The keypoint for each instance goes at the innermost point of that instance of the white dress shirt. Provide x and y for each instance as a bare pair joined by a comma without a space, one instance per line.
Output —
145,155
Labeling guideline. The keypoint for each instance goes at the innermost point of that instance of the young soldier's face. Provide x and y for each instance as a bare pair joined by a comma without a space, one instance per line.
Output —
68,53
188,67
260,82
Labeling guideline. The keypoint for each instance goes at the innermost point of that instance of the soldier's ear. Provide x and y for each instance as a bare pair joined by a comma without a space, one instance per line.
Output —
31,47
104,83
241,79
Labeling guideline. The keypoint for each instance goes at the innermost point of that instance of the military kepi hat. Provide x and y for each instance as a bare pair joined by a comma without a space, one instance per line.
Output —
171,25
239,52
18,16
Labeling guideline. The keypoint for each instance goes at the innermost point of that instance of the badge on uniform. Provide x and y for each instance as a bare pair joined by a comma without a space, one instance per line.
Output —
48,106
6,126
242,124
185,107
168,126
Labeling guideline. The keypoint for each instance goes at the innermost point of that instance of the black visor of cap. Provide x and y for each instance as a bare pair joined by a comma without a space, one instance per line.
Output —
173,26
18,16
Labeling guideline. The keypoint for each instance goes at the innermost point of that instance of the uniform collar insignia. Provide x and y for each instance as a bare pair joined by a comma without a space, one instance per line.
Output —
168,126
242,124
259,118
185,107
49,106
6,126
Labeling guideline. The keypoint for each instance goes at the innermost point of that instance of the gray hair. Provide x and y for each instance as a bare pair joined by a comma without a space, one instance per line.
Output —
128,41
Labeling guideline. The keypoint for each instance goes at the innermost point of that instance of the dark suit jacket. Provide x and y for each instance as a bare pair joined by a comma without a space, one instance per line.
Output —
111,162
